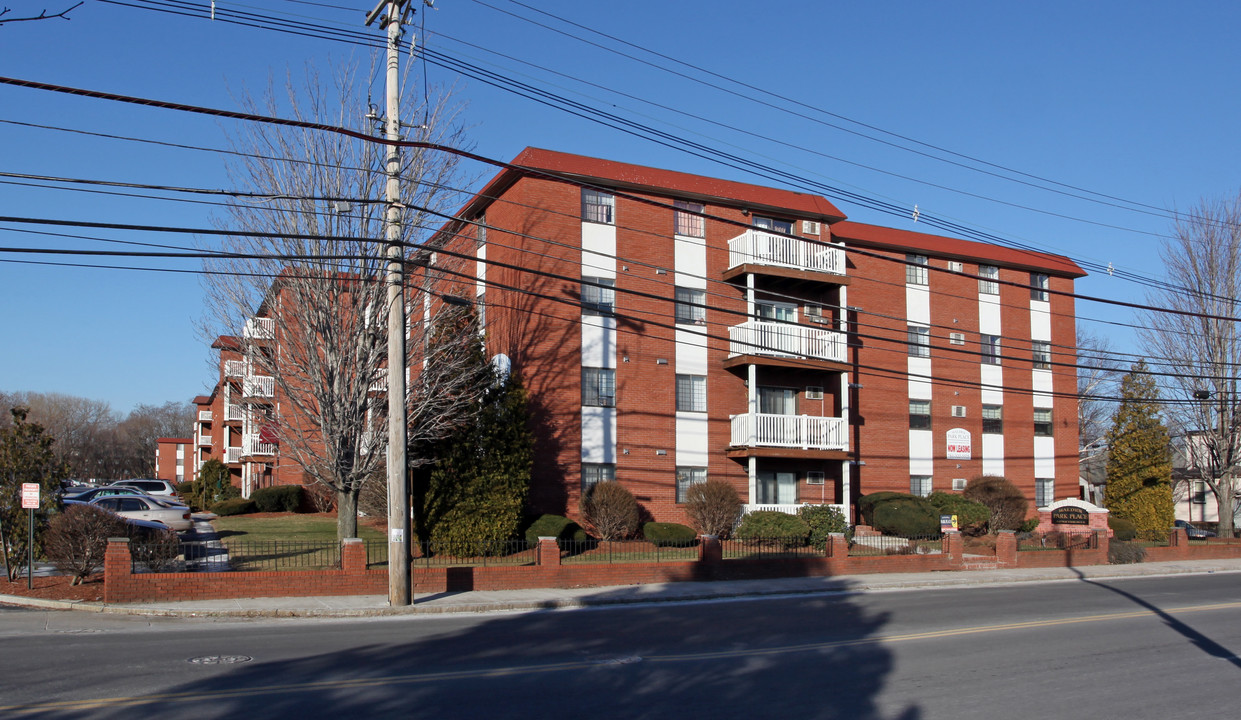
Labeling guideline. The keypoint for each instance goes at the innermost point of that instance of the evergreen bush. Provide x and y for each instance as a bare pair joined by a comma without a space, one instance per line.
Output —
1139,462
906,517
234,506
713,507
1120,552
790,530
866,503
278,498
1006,502
972,516
823,520
1122,529
476,527
669,534
611,510
557,526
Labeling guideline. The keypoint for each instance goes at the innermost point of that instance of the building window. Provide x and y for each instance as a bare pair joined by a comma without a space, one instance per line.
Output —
1200,492
687,476
691,305
689,219
1042,422
993,419
1044,491
1038,286
778,226
598,296
598,387
987,277
777,401
482,232
990,348
956,338
598,206
915,269
691,393
1042,355
920,485
595,473
919,341
919,414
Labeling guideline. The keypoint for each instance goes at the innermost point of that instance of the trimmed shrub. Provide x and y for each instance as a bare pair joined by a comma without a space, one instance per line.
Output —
823,520
557,526
669,534
278,498
713,507
791,530
211,486
235,506
906,517
1120,552
1122,529
77,539
611,510
184,489
476,527
972,516
1006,502
1028,526
866,503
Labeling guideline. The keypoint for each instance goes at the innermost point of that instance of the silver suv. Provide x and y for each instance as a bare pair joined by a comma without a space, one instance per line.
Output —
158,488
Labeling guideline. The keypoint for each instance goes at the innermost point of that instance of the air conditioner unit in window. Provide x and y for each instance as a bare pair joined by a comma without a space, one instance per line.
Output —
810,227
956,338
958,483
955,266
814,313
814,478
814,393
958,411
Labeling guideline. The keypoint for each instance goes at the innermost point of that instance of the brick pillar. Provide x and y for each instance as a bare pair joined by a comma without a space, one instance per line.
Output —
548,552
118,566
1101,539
1179,539
1006,548
837,546
954,548
353,556
709,549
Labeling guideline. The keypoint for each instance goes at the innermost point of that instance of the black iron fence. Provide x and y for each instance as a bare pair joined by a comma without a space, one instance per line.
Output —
468,552
879,545
237,556
774,547
1058,541
627,551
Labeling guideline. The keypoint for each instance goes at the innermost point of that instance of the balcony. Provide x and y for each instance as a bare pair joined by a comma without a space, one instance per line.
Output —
235,368
204,440
234,412
232,456
805,432
787,508
260,329
253,446
258,386
775,339
759,247
204,416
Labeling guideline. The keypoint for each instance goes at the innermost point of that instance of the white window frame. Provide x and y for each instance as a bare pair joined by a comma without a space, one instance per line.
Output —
598,296
990,349
598,206
993,418
1047,427
1044,491
687,476
691,393
920,485
598,387
1041,351
988,276
1040,283
919,341
916,270
595,473
688,220
691,306
920,409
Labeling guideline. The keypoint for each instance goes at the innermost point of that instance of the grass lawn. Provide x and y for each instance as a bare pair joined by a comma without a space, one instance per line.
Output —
285,526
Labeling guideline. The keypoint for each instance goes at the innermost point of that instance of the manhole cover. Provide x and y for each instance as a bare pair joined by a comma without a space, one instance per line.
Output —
220,659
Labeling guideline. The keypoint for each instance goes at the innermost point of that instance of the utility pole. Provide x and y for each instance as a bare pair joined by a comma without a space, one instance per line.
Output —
398,489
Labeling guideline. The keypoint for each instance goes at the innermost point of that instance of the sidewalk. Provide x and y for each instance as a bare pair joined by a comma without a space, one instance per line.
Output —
550,598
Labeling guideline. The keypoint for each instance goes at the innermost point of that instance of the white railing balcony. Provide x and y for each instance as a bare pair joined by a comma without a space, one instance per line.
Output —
777,339
204,416
204,440
253,446
807,432
788,508
260,329
758,247
232,455
259,386
235,368
380,385
234,412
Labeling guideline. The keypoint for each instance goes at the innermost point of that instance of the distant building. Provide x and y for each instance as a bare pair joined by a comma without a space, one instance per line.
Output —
172,457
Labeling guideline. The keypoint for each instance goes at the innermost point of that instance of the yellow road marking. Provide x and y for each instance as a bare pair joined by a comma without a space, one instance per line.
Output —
200,696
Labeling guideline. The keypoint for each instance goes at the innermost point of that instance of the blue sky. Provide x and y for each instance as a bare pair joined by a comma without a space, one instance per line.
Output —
1135,100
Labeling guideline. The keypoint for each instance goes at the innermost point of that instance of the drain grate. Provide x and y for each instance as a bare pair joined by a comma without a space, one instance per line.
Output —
220,659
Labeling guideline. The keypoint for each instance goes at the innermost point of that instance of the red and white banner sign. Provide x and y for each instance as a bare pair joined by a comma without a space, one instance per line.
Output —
30,496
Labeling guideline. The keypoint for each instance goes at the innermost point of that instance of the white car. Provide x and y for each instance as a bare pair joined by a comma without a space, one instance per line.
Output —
142,507
158,488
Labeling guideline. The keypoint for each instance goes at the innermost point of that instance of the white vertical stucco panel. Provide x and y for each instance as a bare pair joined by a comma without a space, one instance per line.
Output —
598,435
1041,383
992,378
918,304
691,439
919,378
992,454
598,341
691,350
1040,320
599,250
690,262
989,314
1044,457
921,452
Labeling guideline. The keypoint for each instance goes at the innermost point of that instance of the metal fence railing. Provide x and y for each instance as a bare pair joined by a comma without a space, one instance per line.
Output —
878,545
1058,541
237,556
776,547
468,553
626,551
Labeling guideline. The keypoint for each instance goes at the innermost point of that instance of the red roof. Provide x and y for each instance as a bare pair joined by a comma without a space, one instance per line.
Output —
863,235
226,342
201,400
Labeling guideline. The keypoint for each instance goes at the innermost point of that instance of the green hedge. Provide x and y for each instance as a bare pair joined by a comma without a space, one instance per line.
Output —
1122,529
866,503
669,534
770,524
557,526
279,498
235,506
906,517
823,520
972,516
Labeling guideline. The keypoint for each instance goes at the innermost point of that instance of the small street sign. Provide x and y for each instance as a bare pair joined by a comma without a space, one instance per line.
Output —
30,496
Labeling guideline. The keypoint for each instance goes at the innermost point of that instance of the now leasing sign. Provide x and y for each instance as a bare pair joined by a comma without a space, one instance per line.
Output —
959,445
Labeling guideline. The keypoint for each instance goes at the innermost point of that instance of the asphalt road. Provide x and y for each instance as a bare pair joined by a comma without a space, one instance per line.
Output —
1137,648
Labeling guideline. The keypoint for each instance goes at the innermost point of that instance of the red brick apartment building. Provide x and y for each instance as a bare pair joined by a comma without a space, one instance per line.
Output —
172,457
672,328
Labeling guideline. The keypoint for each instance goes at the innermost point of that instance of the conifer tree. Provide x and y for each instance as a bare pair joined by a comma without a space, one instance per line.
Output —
1139,467
26,456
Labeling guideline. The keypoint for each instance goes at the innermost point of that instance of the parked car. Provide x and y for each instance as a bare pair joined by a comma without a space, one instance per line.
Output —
1193,533
144,507
112,491
158,488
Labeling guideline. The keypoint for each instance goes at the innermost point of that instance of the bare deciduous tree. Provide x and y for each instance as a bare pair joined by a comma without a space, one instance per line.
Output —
1097,375
5,17
1203,262
316,274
